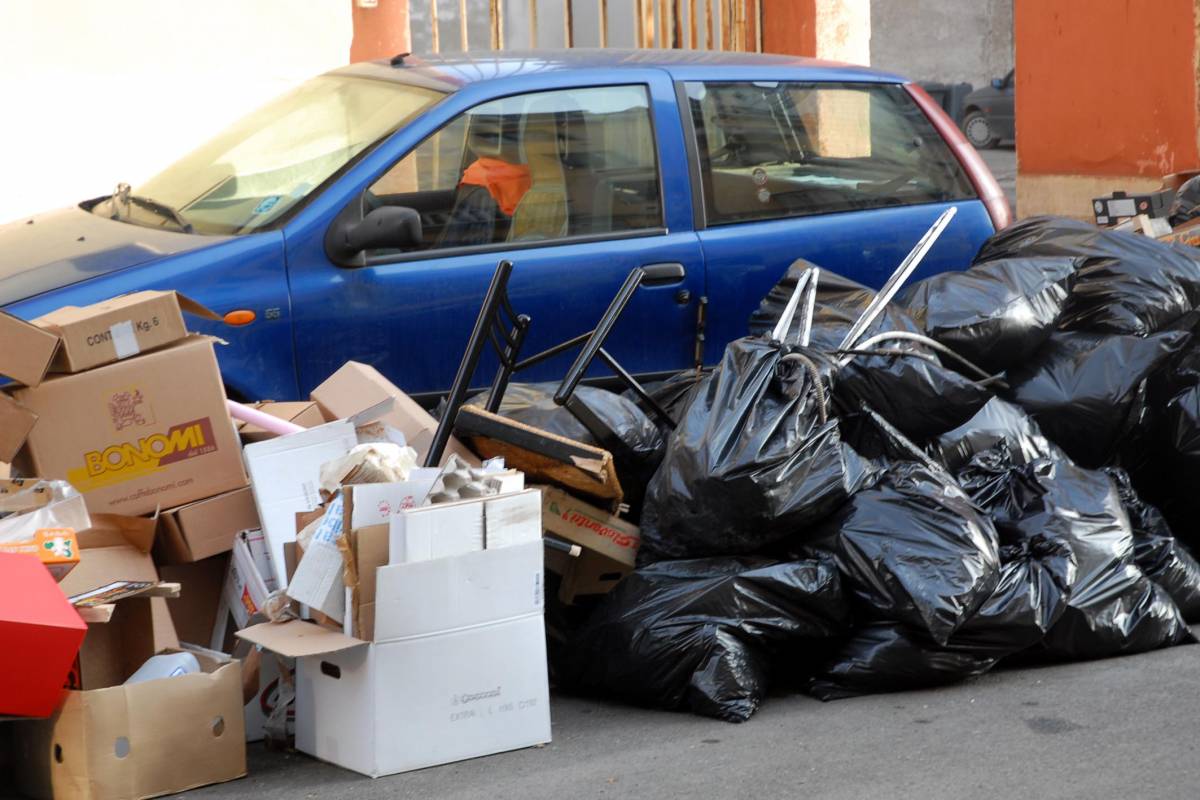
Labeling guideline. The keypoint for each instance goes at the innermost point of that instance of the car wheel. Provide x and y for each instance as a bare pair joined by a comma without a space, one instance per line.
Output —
979,131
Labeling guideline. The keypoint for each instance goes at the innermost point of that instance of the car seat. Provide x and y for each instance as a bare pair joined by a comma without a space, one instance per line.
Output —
542,212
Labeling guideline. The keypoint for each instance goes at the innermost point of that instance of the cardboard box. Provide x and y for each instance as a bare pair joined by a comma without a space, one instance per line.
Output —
40,634
43,519
25,350
110,741
304,413
356,387
194,612
457,670
610,544
285,473
124,326
205,528
151,432
16,421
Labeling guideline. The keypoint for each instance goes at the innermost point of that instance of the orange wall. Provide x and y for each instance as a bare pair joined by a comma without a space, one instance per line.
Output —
379,32
1106,87
790,27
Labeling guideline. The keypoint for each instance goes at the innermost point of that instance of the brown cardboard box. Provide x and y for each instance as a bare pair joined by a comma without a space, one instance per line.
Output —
118,328
610,544
137,435
304,413
194,612
356,387
116,742
204,528
25,350
16,421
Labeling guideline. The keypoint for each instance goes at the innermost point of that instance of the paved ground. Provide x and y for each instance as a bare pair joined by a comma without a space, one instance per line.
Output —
1127,727
1002,161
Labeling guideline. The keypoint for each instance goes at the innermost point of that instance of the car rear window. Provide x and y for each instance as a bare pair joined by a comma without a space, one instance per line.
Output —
772,149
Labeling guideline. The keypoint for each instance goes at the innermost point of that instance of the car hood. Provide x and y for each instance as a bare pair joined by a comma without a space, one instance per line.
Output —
58,248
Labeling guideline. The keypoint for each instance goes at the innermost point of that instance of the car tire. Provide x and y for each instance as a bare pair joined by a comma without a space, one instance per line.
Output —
978,131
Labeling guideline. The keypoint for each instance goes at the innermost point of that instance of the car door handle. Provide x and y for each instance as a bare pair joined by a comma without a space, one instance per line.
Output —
663,274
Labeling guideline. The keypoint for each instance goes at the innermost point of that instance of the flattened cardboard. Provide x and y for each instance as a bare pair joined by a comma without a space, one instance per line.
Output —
118,328
140,434
541,455
357,386
16,421
176,734
304,413
298,639
205,528
26,350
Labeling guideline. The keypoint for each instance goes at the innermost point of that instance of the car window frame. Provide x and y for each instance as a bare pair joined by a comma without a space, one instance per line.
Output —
494,247
701,179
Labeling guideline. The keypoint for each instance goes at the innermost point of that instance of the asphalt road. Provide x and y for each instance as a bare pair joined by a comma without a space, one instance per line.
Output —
1127,727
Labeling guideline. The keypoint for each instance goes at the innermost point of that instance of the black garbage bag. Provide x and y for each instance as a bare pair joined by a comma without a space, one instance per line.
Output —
756,457
605,419
1125,284
839,303
913,549
1186,205
1087,391
672,395
1163,558
700,634
1029,598
994,314
997,423
1112,608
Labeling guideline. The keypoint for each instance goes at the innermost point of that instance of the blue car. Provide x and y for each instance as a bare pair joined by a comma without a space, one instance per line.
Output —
361,216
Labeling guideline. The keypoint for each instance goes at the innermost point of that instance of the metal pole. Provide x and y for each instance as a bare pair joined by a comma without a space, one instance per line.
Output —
692,24
758,24
708,25
533,25
462,25
433,25
497,19
568,18
603,23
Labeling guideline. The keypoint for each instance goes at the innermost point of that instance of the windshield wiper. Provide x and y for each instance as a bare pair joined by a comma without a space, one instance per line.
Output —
122,195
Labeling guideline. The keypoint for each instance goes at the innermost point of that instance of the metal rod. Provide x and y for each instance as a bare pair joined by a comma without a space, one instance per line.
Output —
433,26
507,364
596,340
568,24
779,333
636,388
463,38
552,352
908,336
533,24
902,273
810,307
603,4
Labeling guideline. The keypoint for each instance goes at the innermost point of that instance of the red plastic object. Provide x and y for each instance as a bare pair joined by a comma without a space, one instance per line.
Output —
40,634
981,177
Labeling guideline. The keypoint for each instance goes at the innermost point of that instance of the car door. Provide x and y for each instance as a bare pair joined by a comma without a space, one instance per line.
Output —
846,175
576,183
1003,115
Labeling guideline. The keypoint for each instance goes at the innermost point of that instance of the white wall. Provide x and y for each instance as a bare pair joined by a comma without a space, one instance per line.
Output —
100,91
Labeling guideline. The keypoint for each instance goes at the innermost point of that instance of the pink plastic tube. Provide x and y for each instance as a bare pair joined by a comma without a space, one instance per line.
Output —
263,420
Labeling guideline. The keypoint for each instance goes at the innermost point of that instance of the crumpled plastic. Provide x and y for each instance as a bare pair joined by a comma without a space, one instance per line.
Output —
700,634
996,313
997,423
756,457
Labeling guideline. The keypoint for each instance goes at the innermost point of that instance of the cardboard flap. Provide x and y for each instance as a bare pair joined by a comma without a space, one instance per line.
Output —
190,306
16,421
116,529
297,639
123,590
26,351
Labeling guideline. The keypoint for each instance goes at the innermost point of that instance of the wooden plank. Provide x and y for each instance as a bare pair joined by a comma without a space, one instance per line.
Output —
708,25
669,38
603,7
758,26
568,24
639,23
533,24
463,39
693,24
433,26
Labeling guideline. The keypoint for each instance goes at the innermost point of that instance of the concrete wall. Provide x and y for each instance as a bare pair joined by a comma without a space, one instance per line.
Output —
943,40
1083,130
835,30
100,92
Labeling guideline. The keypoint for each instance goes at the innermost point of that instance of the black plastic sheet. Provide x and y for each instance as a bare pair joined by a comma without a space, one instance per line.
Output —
997,423
756,457
1087,391
1125,284
913,549
994,314
700,634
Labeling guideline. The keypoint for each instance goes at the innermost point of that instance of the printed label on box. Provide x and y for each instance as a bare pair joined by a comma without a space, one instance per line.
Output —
149,454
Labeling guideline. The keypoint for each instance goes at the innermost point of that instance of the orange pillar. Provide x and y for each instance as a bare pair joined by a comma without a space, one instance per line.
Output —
836,30
1106,99
380,32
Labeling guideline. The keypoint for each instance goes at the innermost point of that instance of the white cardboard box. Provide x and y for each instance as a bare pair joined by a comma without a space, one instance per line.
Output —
457,669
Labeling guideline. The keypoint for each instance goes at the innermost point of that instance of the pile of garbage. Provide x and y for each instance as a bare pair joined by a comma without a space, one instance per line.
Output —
993,467
872,491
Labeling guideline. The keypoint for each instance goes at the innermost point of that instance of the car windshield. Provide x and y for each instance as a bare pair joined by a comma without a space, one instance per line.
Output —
268,162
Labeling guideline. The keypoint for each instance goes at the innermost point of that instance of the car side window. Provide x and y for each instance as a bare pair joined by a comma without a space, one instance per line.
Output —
532,167
770,150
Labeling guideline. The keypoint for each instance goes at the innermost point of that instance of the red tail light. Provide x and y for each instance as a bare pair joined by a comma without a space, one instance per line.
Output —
981,177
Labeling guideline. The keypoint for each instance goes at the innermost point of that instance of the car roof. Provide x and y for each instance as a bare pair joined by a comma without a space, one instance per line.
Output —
449,71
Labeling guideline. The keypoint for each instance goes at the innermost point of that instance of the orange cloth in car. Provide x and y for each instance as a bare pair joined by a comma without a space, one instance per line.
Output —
505,182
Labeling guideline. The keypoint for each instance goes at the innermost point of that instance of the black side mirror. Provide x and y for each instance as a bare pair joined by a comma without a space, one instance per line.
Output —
392,227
